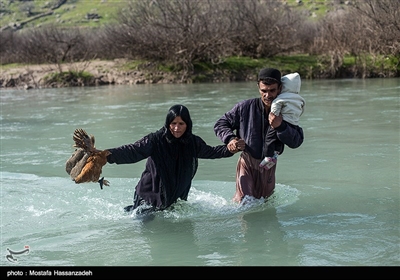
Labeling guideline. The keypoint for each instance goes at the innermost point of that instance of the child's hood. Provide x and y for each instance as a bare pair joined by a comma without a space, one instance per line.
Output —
291,83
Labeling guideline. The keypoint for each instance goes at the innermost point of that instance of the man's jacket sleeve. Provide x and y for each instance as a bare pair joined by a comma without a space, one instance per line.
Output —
290,135
224,127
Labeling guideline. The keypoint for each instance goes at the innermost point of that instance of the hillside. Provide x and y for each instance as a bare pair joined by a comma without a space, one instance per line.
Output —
17,14
68,13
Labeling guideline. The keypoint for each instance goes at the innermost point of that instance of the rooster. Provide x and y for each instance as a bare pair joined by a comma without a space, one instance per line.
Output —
85,164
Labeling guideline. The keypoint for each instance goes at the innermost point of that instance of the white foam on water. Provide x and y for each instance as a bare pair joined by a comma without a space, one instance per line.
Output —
203,204
47,197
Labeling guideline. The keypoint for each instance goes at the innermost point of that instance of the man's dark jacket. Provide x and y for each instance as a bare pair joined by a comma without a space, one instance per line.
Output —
247,120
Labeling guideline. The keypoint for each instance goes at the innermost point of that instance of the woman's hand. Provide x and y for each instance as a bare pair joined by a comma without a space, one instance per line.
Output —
236,145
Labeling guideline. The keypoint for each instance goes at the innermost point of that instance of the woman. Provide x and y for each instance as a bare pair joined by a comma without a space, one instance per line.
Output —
172,159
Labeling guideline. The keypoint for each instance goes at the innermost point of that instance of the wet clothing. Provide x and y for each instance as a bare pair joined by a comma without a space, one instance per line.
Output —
252,180
171,165
249,121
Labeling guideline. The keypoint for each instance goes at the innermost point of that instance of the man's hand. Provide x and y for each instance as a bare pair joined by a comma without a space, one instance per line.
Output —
275,121
236,145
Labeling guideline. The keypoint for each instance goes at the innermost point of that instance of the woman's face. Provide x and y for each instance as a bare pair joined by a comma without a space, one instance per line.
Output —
177,127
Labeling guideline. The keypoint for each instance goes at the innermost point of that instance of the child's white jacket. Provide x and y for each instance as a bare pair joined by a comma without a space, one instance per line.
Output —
289,102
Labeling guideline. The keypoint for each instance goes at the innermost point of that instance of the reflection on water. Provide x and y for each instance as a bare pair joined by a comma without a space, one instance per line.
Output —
336,201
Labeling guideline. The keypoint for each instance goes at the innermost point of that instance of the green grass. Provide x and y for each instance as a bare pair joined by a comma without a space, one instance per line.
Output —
71,14
315,8
300,63
68,77
238,63
11,66
375,63
77,16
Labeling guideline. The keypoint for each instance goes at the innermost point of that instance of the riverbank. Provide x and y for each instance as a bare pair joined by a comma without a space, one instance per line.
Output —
102,73
121,72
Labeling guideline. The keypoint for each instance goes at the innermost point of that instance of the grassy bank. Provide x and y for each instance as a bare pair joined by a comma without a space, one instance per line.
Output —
309,67
100,72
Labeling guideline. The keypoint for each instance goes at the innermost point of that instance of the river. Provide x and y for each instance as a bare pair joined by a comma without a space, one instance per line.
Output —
336,201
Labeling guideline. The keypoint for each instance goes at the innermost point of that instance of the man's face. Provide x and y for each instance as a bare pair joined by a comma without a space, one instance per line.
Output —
268,93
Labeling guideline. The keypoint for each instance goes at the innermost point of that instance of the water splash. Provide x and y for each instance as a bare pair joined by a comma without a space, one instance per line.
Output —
50,198
203,204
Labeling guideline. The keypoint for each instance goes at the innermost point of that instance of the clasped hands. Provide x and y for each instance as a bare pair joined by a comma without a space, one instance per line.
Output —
236,145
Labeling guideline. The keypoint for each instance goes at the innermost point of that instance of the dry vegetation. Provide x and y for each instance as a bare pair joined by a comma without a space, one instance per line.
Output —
183,33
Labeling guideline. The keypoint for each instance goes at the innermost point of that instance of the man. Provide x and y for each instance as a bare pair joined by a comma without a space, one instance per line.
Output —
244,128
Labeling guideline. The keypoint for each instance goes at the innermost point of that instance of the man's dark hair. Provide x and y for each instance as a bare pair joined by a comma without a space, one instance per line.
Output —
269,76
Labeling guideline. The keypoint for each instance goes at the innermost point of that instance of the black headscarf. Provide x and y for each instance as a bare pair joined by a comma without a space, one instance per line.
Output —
175,162
178,111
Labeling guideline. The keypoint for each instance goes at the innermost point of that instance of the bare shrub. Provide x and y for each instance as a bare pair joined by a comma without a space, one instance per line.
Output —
7,47
364,30
265,28
381,21
336,39
52,45
102,44
179,31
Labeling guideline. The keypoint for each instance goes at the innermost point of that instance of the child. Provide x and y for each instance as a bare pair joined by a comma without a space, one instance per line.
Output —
290,104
